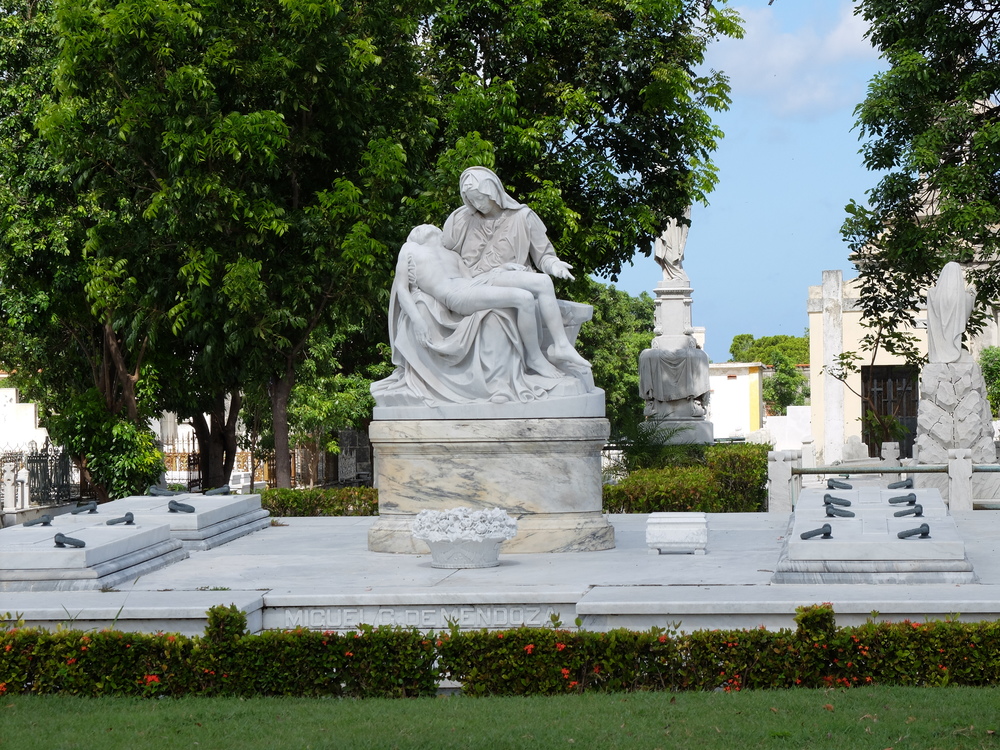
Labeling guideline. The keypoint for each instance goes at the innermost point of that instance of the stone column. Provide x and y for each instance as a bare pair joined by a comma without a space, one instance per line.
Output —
833,346
781,483
959,479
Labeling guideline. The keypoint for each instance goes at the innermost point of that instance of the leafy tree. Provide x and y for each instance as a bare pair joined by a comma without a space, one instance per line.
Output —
932,124
989,361
217,180
739,349
240,158
621,328
328,397
746,348
61,350
785,387
597,112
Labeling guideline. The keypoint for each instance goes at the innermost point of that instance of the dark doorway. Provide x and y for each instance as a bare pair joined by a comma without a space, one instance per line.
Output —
891,390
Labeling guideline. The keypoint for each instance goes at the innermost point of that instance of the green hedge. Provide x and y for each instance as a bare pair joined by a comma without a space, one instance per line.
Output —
371,663
732,479
740,470
391,662
679,488
336,501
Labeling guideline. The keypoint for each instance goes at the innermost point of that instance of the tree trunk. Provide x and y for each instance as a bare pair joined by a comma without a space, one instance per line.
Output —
208,454
281,390
217,440
229,445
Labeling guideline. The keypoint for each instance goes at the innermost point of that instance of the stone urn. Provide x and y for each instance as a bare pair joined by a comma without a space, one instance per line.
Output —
464,538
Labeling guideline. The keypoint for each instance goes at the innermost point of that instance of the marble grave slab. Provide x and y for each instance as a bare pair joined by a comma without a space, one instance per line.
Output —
866,548
30,560
217,519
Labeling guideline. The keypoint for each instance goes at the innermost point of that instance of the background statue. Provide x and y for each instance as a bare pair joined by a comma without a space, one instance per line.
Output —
668,249
949,305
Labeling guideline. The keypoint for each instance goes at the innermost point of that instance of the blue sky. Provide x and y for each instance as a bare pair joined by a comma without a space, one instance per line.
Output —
787,167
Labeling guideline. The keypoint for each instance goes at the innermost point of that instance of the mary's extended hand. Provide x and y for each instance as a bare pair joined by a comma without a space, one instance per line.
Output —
560,269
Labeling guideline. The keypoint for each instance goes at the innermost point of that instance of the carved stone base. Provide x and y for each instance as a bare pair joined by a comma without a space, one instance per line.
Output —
545,472
683,431
953,413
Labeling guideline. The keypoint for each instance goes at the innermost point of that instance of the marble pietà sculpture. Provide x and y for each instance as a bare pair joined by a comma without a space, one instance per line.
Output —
470,320
489,405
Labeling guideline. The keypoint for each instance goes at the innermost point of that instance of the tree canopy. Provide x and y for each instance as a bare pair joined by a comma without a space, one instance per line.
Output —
190,190
612,341
746,348
931,125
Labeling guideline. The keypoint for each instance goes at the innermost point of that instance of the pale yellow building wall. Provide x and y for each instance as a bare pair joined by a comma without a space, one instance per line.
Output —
737,403
852,333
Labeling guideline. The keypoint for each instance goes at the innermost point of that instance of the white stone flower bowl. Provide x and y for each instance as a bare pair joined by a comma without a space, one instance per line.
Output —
464,538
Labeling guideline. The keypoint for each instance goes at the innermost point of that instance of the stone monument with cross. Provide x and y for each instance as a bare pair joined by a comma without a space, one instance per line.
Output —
673,374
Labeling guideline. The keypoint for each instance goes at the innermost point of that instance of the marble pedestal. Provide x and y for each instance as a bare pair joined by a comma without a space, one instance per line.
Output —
954,413
545,472
683,431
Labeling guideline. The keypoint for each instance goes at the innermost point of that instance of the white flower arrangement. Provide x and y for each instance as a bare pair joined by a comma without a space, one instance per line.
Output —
462,523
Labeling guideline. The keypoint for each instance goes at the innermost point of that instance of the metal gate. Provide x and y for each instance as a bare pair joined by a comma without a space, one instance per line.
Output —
890,390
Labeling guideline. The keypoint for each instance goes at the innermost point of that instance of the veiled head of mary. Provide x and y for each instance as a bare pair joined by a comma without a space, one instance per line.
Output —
482,190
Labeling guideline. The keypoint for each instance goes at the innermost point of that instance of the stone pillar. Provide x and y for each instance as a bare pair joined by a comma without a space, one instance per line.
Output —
959,479
782,485
23,497
890,457
808,454
833,346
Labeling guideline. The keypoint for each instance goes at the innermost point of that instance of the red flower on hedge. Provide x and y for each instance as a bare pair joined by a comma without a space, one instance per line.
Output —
560,646
530,647
565,673
71,661
151,679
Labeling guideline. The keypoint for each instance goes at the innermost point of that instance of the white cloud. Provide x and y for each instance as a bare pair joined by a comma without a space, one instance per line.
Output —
799,66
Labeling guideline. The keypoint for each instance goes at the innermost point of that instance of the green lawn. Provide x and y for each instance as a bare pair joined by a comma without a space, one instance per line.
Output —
857,719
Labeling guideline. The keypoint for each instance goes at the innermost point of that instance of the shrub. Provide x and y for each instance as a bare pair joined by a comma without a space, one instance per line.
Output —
728,478
685,488
740,470
395,662
335,501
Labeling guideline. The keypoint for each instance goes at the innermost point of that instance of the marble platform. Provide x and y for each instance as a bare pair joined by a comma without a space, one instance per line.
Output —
544,472
281,577
217,519
866,548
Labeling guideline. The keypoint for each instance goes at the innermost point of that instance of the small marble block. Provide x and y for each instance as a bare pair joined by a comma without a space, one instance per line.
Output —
677,533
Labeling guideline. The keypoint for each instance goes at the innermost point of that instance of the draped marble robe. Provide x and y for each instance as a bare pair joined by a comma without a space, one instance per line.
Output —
468,359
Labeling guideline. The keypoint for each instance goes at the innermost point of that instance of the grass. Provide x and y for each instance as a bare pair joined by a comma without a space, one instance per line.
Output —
878,718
